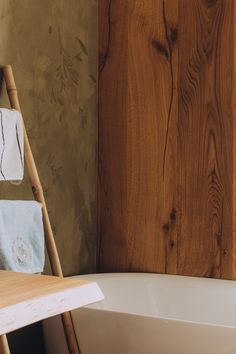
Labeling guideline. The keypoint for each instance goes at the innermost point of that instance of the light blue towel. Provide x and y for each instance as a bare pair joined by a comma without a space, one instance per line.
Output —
21,236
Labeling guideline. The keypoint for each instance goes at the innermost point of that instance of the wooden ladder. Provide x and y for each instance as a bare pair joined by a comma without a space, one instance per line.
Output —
37,190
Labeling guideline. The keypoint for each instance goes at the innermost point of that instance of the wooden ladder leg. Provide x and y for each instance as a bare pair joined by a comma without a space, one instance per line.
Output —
4,348
37,189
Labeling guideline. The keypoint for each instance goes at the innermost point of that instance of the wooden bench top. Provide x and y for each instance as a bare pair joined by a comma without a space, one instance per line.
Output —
27,298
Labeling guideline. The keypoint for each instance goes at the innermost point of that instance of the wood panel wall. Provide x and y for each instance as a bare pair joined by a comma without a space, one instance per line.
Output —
166,142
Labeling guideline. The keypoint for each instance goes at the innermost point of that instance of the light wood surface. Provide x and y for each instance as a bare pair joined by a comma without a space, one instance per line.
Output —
27,298
37,190
4,348
166,133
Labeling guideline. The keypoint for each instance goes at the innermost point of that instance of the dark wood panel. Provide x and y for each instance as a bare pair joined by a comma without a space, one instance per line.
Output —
113,92
165,144
169,225
205,138
149,134
136,106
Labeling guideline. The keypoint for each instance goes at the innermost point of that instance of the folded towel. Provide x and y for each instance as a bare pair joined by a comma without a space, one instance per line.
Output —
21,236
11,145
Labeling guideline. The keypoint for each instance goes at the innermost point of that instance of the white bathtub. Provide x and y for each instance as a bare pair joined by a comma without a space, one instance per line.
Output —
153,314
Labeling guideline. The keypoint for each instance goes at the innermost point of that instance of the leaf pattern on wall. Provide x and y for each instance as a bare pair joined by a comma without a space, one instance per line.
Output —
55,70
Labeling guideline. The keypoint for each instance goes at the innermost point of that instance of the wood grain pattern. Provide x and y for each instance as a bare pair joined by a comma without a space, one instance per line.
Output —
113,84
165,149
27,298
205,138
129,212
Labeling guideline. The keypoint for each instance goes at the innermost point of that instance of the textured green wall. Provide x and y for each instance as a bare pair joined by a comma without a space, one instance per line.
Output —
52,46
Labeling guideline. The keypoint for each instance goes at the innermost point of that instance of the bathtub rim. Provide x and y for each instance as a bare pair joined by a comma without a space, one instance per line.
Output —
104,276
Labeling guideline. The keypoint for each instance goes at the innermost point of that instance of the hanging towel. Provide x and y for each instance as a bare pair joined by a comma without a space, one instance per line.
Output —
21,236
11,145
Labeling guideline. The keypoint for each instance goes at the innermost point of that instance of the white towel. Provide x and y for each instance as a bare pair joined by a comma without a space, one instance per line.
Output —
11,145
21,236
